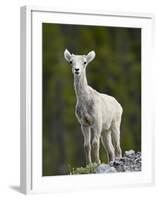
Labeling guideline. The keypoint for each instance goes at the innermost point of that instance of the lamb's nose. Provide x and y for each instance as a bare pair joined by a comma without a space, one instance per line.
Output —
76,69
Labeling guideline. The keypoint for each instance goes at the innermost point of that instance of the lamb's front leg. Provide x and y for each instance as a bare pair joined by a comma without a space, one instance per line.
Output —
87,143
96,146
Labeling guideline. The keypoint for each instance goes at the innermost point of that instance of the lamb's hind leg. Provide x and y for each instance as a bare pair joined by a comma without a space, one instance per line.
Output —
116,138
87,143
107,144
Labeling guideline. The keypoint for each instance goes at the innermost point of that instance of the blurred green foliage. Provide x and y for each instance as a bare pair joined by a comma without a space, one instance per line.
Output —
116,71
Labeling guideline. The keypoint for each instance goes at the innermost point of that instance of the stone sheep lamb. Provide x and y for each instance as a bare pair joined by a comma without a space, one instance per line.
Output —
99,114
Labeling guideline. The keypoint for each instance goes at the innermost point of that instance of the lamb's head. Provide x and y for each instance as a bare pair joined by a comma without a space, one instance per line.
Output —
78,62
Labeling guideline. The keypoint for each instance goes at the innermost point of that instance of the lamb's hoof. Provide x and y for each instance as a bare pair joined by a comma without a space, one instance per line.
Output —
98,162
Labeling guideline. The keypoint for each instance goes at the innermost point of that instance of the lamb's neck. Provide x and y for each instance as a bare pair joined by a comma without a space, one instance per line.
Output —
81,87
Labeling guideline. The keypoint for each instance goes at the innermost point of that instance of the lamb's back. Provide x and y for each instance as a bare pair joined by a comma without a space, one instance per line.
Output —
105,104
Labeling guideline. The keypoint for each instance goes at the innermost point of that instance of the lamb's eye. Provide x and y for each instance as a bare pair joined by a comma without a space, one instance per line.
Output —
85,62
70,62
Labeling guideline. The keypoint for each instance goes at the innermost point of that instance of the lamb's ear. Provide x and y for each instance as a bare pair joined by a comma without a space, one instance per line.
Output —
67,55
90,56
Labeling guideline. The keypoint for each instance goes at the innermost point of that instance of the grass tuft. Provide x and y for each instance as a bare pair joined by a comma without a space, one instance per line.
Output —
89,169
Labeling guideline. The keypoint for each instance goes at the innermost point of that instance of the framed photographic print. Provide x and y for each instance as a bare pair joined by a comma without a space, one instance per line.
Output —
86,100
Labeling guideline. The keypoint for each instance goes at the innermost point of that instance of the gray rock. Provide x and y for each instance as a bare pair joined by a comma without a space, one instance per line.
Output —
130,162
129,153
105,168
117,162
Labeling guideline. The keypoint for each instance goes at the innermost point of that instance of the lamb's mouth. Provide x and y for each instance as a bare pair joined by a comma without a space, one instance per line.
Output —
77,73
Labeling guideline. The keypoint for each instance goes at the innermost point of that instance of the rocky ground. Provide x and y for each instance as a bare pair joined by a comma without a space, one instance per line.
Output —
130,162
